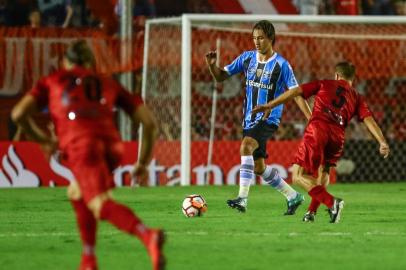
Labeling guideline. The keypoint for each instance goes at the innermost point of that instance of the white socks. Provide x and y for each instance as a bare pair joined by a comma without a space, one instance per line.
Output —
246,175
272,177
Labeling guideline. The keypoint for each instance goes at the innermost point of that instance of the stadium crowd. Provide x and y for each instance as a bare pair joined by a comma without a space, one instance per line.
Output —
76,13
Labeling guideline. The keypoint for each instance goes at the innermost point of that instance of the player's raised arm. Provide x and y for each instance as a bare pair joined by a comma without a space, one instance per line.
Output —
143,115
378,135
218,74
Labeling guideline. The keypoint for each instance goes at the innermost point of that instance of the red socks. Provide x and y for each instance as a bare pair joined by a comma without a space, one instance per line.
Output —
314,205
88,262
319,193
87,225
123,218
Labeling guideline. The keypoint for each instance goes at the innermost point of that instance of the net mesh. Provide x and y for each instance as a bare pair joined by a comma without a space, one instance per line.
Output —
312,50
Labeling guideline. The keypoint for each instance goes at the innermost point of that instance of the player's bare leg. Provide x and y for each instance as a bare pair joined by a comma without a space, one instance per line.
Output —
318,192
123,218
87,226
271,175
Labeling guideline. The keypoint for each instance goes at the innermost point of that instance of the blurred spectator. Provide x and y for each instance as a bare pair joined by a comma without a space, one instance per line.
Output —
35,18
346,7
223,126
144,8
398,121
200,127
103,15
326,7
286,131
357,131
170,8
17,12
201,122
400,7
3,10
198,6
140,8
307,7
236,120
377,7
55,12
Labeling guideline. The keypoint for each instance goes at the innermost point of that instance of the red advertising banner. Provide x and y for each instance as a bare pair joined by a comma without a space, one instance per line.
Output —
24,165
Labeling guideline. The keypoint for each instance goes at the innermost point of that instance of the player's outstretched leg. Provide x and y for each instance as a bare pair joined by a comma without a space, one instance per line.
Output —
124,219
246,176
334,205
87,226
293,198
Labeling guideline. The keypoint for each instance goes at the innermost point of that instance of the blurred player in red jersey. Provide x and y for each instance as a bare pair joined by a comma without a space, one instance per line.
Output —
81,104
336,102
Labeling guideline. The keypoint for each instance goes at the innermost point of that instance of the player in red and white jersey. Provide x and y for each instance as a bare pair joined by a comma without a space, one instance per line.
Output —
336,102
81,104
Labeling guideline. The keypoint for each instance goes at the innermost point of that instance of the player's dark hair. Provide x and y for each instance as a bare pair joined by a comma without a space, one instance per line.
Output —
346,70
79,53
267,28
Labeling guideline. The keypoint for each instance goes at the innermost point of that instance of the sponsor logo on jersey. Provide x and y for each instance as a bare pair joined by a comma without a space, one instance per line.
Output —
259,84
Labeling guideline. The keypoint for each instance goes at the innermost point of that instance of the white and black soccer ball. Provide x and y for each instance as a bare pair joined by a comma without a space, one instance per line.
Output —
194,205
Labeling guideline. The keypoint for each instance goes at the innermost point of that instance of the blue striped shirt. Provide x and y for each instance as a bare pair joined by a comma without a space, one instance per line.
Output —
264,82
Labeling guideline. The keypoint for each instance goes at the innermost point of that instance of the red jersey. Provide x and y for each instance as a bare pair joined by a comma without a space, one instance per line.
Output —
81,103
336,101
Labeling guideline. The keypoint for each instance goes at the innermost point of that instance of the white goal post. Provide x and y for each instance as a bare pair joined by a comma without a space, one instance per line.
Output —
188,21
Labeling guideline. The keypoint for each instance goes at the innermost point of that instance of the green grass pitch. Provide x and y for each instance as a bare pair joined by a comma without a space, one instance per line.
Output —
38,231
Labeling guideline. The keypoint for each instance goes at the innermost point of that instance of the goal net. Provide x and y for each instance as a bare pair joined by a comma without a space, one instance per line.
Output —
200,121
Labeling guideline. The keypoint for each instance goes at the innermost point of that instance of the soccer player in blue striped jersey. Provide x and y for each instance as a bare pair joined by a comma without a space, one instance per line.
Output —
267,76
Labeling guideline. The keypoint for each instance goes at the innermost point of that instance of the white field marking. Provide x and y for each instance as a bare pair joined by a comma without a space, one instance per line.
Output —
47,234
334,233
384,233
202,233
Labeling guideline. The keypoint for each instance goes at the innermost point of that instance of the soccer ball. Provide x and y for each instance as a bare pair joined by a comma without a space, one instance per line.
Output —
194,205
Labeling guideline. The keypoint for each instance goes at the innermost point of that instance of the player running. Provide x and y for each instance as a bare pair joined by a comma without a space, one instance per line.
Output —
336,102
267,75
81,104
